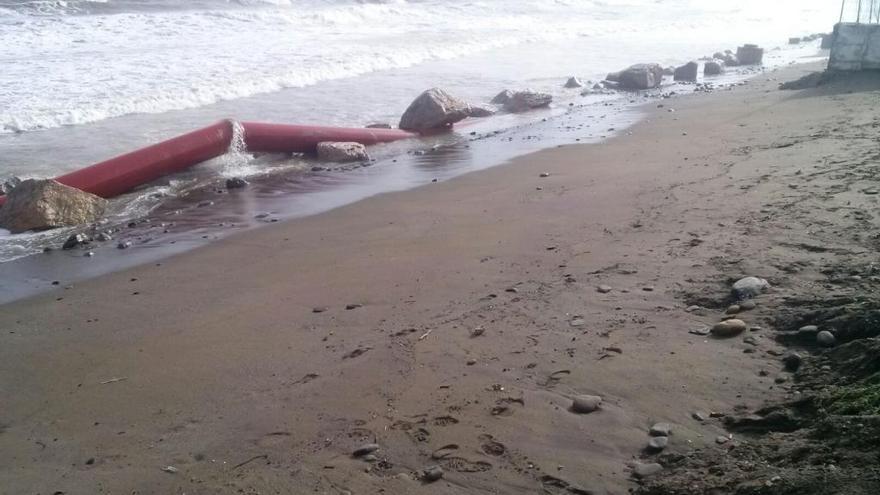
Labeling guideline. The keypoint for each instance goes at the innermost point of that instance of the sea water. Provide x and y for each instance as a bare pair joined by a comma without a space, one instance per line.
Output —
82,81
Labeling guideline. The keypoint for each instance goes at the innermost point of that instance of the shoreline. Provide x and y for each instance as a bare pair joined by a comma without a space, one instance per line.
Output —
239,365
179,223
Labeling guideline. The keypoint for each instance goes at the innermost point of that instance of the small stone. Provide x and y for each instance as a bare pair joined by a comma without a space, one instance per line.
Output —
604,289
657,444
732,310
471,362
365,449
691,309
826,339
751,340
74,241
749,287
729,328
123,245
699,416
104,237
320,309
370,458
544,175
577,322
792,361
585,404
432,474
642,470
661,430
236,183
701,331
748,305
721,440
353,306
89,254
808,328
781,379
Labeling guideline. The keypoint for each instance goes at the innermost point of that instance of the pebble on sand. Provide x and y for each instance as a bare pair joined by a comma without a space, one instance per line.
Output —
642,470
432,474
604,289
748,305
661,430
729,328
749,287
826,338
365,449
657,444
585,404
792,361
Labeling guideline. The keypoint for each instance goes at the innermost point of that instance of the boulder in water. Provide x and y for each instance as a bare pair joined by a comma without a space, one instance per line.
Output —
46,204
640,76
342,152
434,109
502,97
750,55
522,101
574,82
713,68
480,111
687,72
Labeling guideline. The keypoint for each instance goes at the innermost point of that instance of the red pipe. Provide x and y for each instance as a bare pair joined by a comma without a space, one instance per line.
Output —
281,138
125,172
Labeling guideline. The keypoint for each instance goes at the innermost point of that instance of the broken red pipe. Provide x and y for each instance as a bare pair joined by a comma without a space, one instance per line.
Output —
125,172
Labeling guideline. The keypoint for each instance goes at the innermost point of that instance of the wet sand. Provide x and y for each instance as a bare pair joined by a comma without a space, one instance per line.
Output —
474,319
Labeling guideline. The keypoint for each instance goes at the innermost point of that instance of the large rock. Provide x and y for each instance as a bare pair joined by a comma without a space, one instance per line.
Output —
687,72
640,76
434,109
574,82
713,68
503,97
342,152
750,55
46,204
522,101
480,111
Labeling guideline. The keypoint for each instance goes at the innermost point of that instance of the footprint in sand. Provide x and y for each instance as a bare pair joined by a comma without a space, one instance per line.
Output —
492,447
463,465
445,421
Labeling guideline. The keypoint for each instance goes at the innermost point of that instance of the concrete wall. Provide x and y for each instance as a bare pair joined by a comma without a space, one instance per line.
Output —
855,47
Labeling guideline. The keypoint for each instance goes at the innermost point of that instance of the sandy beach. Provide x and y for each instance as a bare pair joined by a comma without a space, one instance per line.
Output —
452,324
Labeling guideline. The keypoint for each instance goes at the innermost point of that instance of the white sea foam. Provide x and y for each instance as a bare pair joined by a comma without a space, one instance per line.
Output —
63,67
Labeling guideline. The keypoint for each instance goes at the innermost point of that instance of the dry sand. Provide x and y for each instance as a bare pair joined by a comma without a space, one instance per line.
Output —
214,363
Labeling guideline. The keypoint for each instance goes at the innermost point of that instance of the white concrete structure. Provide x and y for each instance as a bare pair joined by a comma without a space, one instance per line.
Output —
855,47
